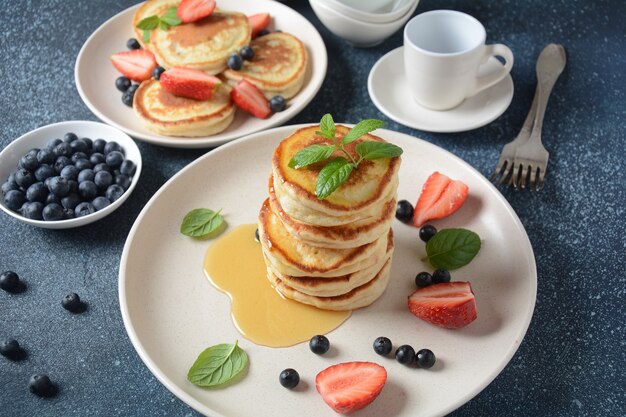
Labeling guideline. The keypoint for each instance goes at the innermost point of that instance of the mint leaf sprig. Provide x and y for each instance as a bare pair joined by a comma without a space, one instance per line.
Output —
452,248
338,169
164,22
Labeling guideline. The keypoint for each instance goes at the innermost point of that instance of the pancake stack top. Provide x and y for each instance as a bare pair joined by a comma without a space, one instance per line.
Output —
333,253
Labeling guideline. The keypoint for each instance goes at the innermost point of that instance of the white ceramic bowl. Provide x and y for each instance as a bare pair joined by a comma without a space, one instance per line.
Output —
372,13
38,138
357,32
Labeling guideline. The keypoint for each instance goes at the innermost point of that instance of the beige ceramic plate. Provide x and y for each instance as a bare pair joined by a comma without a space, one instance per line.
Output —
95,76
172,313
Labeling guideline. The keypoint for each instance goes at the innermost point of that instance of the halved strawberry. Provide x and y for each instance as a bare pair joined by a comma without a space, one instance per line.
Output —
248,97
136,64
193,10
350,386
189,82
258,22
440,197
449,304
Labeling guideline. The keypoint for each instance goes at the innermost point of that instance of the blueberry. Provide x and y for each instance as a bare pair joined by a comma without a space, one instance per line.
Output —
9,186
70,172
382,346
71,302
44,171
10,282
100,202
84,209
103,179
114,159
52,212
98,145
83,163
256,235
423,279
73,186
62,149
88,189
69,137
37,192
52,143
70,201
114,192
79,145
133,43
29,162
404,211
59,186
112,146
41,386
24,178
12,350
247,52
264,32
101,167
128,167
128,97
89,143
235,62
427,231
51,198
278,104
319,344
32,210
405,354
68,214
289,378
61,162
77,156
45,156
123,181
441,275
86,175
96,158
157,71
14,199
425,358
33,152
122,83
132,88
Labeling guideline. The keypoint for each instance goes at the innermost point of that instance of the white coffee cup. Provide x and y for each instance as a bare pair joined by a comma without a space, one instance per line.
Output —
443,53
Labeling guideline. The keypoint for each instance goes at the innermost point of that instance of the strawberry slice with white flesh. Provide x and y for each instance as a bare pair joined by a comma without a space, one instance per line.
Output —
450,304
136,64
249,98
440,197
189,82
350,386
193,10
258,22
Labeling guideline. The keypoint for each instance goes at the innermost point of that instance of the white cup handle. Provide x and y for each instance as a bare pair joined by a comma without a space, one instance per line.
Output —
494,77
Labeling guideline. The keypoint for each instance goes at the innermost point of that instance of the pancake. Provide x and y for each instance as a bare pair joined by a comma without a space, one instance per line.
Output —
372,183
359,297
204,45
290,256
329,287
167,114
344,236
278,66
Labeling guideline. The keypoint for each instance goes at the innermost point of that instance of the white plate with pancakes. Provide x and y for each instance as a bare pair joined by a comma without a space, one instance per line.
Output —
95,75
172,312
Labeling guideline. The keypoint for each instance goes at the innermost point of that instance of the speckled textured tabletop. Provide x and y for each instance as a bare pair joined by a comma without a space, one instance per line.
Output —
571,362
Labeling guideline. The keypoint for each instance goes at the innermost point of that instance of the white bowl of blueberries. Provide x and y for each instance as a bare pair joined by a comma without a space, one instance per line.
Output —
68,174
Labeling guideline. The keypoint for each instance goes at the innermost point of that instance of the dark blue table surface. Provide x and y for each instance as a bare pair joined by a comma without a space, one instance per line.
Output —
571,362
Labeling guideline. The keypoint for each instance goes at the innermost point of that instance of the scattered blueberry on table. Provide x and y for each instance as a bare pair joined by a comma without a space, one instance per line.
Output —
72,303
10,282
289,378
382,346
319,344
405,354
42,386
12,350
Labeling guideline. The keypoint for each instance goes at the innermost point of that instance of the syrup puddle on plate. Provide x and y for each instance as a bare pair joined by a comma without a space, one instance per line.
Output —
234,265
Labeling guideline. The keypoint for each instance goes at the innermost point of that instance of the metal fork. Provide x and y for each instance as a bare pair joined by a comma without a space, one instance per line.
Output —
530,156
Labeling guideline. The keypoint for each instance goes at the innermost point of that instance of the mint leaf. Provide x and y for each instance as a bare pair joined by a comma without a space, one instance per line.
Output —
327,126
201,222
310,155
146,36
217,365
335,173
370,150
164,26
452,248
170,17
148,23
362,128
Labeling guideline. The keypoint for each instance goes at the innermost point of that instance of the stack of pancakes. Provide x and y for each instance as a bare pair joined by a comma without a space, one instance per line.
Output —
278,68
335,253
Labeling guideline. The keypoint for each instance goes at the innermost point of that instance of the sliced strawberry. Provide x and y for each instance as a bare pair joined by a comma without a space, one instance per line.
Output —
440,197
350,386
189,82
258,22
249,98
136,64
449,304
193,10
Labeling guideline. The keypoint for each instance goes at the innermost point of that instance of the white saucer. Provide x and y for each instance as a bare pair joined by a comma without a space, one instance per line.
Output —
388,90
